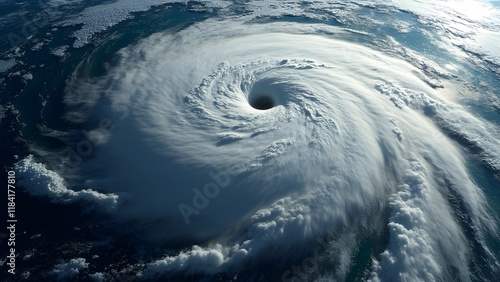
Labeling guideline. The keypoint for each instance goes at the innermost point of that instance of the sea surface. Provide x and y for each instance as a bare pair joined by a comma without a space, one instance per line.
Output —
381,147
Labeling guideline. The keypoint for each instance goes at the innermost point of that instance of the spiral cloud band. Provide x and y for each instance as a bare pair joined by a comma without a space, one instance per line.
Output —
257,139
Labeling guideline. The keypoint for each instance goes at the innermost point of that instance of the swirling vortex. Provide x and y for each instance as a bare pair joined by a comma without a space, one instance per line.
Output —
322,136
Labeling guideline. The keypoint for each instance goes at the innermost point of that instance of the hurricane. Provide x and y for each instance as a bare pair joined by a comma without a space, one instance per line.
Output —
275,141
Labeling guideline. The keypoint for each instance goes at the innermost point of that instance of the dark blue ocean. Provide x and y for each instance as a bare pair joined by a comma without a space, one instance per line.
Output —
39,63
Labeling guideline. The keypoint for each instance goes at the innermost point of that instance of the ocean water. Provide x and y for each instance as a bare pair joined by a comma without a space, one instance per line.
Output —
139,156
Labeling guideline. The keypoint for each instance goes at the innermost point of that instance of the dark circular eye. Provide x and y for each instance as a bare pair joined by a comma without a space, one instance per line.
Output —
261,102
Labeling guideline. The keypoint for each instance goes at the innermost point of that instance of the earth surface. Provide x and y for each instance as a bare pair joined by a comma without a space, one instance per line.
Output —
165,140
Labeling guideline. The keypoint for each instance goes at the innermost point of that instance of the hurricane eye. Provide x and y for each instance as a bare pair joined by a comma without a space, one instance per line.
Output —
262,102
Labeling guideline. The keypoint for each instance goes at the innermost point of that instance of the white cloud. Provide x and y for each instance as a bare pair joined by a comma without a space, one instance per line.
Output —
40,181
70,269
100,17
196,260
419,228
324,156
5,65
328,155
98,277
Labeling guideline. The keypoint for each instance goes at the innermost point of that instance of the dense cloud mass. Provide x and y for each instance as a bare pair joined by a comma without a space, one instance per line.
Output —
279,140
